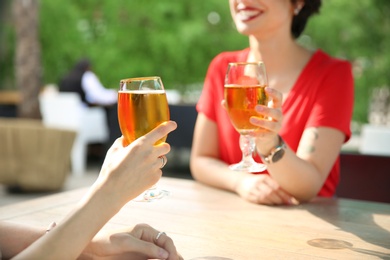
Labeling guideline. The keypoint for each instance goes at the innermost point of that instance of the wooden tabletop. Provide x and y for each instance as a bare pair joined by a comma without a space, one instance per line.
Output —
211,224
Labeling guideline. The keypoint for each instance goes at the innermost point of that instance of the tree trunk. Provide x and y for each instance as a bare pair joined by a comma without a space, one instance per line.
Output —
28,70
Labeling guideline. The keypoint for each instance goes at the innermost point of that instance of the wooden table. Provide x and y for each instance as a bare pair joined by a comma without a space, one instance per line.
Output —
206,223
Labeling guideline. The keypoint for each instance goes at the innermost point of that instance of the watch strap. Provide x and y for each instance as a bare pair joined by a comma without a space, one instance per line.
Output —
276,153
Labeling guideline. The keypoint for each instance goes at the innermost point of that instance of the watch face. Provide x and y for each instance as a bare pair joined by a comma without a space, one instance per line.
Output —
278,155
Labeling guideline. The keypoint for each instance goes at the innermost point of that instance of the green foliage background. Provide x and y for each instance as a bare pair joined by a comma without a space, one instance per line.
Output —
123,38
359,32
177,39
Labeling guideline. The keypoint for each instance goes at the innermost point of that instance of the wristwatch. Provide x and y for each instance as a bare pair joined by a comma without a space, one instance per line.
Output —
276,153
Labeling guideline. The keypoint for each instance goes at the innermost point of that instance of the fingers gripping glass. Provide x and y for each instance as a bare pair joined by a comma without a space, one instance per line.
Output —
142,106
245,84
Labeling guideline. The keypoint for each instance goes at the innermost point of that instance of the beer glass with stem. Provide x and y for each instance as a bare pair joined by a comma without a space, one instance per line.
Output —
245,84
142,106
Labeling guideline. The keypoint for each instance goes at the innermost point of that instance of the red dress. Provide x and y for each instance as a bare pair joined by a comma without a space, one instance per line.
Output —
321,96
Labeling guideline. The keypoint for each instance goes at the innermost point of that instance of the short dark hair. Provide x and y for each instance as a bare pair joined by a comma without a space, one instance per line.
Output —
299,21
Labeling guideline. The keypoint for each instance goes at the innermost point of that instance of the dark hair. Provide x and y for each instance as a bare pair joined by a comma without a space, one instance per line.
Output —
71,82
82,65
309,8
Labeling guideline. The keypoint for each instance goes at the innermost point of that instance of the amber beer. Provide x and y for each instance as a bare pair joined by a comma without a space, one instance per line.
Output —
241,102
140,111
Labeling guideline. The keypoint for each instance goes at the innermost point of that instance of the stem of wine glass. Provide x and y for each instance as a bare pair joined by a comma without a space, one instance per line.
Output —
247,146
151,194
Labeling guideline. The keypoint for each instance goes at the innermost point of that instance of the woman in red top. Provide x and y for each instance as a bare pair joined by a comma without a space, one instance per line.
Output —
311,110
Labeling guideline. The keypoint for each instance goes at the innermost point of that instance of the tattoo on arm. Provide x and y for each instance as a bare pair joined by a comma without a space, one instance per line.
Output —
309,149
312,135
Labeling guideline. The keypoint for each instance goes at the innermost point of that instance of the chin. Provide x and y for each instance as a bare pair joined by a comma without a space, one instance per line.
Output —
244,30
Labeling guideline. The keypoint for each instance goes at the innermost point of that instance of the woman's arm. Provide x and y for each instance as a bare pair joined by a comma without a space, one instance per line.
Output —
14,238
205,164
69,238
126,172
301,174
207,168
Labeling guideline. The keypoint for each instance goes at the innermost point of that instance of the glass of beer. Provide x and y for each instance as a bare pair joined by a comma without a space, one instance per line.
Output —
245,84
142,106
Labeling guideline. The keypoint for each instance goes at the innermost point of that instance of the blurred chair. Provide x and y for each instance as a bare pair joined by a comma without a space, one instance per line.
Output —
185,117
364,177
34,157
173,96
375,140
181,139
66,111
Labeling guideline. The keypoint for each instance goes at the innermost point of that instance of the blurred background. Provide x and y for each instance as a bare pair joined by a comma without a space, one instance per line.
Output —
176,39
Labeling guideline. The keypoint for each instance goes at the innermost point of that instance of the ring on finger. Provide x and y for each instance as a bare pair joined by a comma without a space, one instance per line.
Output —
159,235
163,161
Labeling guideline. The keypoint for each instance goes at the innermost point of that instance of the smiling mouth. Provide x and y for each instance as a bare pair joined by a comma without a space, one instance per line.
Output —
247,15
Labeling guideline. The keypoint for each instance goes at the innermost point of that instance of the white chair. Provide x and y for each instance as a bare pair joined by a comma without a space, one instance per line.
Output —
375,140
66,111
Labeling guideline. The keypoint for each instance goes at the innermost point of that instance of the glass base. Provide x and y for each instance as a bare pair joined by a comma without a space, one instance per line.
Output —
252,167
151,195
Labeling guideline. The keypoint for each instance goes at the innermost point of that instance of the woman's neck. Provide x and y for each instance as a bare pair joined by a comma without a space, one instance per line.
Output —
277,54
284,59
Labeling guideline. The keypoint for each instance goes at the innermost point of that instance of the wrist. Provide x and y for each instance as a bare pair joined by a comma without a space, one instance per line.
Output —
276,153
265,148
99,196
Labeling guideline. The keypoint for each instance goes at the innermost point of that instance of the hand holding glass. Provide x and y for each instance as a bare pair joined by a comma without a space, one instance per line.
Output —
245,84
142,106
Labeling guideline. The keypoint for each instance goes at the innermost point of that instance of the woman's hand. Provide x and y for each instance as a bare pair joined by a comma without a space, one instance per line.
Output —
137,243
262,189
128,171
270,120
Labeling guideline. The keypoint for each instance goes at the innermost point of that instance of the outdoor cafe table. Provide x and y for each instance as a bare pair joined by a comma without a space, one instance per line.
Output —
207,223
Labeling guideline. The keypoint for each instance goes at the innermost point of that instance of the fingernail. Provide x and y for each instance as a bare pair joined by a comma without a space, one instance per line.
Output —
163,254
259,108
253,120
294,201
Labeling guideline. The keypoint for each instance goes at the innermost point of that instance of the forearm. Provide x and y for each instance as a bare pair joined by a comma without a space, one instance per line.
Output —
71,236
215,173
14,238
296,176
303,173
